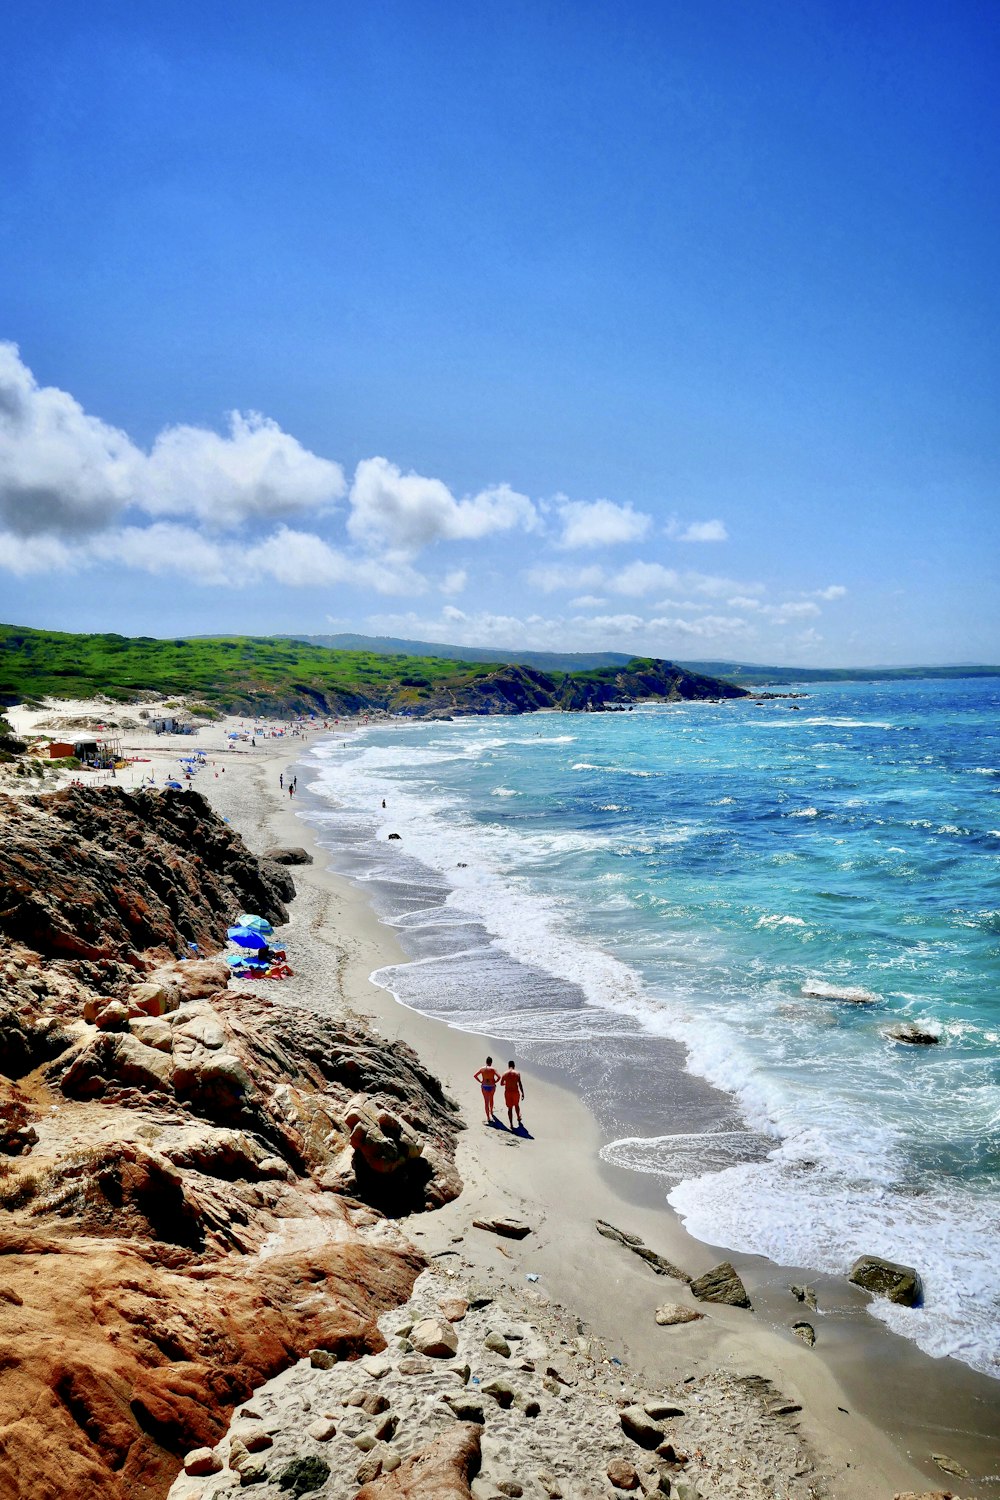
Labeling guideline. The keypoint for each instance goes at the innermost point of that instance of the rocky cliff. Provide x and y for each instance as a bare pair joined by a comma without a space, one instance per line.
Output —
519,689
198,1187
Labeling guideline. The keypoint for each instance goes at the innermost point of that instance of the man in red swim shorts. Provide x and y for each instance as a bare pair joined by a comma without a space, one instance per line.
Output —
488,1078
513,1093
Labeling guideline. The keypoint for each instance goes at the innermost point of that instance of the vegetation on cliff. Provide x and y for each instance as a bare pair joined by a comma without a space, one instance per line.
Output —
269,674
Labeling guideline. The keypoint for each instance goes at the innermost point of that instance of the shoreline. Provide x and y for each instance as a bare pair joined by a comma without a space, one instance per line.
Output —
901,1405
939,1407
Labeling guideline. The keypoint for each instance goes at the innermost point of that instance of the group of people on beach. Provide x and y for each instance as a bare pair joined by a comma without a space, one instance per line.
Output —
513,1091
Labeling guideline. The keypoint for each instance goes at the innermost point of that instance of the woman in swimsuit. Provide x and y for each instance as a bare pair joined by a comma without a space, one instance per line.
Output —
488,1078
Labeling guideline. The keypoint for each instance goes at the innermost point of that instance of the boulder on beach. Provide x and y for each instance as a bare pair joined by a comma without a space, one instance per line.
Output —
721,1284
511,1229
884,1278
288,854
444,1469
434,1337
672,1312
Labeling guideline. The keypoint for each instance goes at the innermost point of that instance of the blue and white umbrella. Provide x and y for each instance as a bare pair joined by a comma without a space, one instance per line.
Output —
245,937
256,924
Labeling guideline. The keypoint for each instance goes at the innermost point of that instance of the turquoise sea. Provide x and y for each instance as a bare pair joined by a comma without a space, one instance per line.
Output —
712,915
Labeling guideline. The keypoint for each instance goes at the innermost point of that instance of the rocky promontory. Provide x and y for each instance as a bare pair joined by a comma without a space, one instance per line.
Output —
199,1187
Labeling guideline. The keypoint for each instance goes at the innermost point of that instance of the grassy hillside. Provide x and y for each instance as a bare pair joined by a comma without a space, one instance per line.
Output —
269,674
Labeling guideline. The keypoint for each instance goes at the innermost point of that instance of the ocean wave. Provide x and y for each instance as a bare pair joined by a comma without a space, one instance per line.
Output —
778,921
803,812
586,765
850,723
800,1216
505,791
854,994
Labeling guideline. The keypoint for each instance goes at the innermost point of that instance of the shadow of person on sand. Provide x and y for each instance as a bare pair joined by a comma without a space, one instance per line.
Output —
523,1132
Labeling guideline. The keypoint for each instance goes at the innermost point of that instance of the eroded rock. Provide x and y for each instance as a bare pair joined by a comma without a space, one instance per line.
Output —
885,1278
721,1284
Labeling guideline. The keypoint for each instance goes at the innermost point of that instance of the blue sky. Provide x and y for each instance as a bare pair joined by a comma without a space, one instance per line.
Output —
644,327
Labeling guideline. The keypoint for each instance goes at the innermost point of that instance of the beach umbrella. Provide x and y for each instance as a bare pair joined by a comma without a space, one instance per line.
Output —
246,937
174,786
256,924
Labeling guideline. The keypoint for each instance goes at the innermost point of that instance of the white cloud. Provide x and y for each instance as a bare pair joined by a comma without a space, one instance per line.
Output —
698,531
616,624
553,577
831,592
795,610
163,548
588,601
599,523
709,627
639,578
450,612
454,582
61,471
410,511
256,472
23,555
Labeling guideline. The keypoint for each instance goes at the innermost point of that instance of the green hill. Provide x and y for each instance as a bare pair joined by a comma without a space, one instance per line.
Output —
266,674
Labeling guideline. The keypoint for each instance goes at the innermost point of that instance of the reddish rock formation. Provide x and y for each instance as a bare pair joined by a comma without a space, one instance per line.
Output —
115,1365
443,1470
181,1168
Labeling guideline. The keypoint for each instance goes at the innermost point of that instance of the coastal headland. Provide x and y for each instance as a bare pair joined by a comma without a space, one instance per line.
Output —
262,1222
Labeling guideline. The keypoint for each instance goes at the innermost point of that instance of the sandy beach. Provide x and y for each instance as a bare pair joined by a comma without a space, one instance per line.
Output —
874,1410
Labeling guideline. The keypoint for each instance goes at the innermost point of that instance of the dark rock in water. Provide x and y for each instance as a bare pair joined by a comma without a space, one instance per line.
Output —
283,854
806,1332
913,1035
804,1294
395,835
721,1284
885,1278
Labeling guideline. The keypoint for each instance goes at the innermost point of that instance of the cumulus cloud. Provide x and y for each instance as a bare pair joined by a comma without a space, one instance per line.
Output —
707,628
410,511
698,531
599,523
454,582
61,471
66,473
24,555
588,601
552,578
256,471
831,592
639,578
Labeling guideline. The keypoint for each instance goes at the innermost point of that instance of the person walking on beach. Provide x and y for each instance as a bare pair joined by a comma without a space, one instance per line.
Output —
488,1078
513,1093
